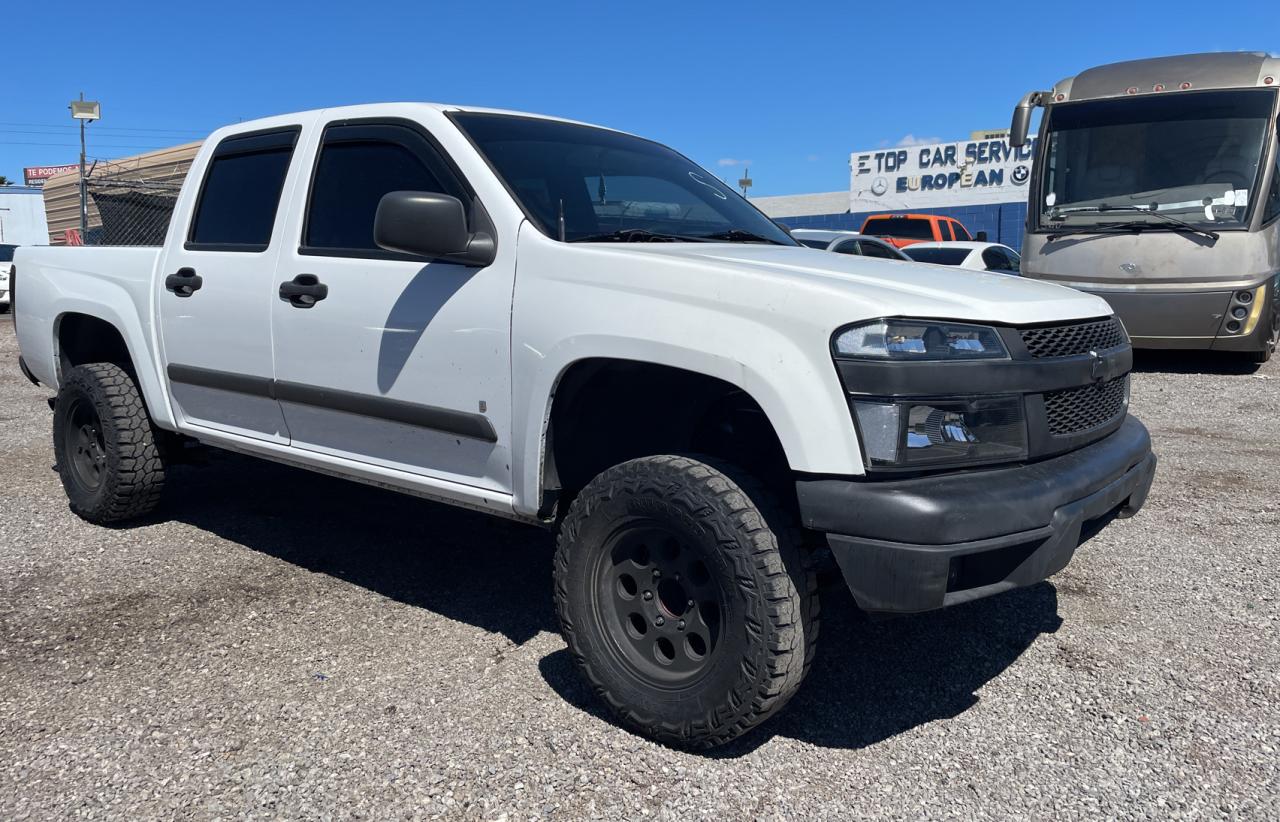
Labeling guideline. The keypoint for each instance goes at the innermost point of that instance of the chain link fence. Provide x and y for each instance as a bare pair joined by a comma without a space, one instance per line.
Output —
130,201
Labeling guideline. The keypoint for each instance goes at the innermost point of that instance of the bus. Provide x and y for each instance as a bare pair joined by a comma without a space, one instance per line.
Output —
1154,185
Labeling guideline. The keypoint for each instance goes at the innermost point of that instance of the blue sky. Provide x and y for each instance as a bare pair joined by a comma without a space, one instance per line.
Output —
791,88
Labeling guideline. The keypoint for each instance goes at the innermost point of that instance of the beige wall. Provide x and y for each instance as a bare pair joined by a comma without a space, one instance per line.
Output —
62,192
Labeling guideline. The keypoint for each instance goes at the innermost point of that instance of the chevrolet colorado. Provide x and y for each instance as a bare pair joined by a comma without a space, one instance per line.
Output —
579,328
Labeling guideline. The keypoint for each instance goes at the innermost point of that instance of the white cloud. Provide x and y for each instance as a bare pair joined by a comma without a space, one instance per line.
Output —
912,140
725,162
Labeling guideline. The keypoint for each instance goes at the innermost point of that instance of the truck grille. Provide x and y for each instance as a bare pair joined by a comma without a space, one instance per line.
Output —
1076,338
1075,410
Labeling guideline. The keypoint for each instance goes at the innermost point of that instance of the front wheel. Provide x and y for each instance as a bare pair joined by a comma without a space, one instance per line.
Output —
107,457
685,598
1265,354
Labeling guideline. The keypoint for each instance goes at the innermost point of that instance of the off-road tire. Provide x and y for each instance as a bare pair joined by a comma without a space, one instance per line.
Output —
752,550
130,470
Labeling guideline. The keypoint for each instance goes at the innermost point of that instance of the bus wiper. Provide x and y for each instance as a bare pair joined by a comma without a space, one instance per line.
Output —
1135,225
635,235
737,235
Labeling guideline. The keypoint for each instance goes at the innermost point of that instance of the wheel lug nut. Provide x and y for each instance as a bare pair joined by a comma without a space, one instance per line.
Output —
657,574
659,622
691,603
680,625
648,595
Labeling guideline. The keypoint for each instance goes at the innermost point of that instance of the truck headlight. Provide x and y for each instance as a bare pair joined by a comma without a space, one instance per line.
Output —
915,340
930,433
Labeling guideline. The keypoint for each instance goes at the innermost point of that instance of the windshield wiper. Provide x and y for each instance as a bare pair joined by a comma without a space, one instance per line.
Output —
635,235
1134,225
737,235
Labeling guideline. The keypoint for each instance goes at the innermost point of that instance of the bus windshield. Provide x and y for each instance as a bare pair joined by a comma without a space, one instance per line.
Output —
1195,155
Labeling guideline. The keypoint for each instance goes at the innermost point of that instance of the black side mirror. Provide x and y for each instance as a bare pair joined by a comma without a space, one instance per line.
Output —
427,224
980,237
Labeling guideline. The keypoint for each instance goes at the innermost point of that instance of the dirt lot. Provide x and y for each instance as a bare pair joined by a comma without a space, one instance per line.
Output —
276,643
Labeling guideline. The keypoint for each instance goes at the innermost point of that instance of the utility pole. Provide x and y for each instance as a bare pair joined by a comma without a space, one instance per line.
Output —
85,111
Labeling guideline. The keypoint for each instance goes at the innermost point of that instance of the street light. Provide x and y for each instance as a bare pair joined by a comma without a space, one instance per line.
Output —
84,111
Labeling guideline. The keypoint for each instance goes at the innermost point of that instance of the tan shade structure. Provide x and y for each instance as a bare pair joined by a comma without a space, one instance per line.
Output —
130,199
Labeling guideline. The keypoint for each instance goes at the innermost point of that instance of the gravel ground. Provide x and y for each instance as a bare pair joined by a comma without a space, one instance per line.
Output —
276,643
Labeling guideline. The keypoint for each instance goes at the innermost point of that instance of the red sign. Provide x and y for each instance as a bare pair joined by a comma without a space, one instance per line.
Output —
36,175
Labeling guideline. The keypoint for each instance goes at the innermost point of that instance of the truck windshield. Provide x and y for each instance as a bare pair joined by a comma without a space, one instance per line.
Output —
605,186
1195,155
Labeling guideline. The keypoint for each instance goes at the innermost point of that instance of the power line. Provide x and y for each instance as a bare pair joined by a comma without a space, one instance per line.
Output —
62,134
106,128
77,145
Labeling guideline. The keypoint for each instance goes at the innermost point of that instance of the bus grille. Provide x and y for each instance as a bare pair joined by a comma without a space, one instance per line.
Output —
1075,410
1076,338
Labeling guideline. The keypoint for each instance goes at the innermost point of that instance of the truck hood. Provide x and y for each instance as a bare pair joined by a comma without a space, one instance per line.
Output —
885,287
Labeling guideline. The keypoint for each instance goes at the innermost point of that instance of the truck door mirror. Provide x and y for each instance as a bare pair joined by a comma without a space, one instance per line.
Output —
428,224
980,237
1022,118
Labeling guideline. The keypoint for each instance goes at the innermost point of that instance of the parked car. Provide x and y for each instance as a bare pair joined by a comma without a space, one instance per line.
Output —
977,256
847,242
903,230
6,268
581,329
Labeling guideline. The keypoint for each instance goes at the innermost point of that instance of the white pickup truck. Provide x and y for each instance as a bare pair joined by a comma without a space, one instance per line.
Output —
580,328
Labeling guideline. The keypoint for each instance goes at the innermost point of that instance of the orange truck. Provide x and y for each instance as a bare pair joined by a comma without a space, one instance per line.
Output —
906,229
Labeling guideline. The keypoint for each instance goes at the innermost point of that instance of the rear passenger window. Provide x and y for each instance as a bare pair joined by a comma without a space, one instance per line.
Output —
357,165
877,250
241,192
962,233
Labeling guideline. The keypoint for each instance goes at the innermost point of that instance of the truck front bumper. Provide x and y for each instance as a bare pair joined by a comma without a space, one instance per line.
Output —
923,543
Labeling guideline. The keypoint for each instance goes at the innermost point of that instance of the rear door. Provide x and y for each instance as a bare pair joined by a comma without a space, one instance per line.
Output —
214,292
402,362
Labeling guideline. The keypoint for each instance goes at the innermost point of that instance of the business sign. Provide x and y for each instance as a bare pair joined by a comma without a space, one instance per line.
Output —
37,175
940,175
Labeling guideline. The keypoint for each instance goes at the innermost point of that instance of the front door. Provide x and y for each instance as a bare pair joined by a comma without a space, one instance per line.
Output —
381,357
215,289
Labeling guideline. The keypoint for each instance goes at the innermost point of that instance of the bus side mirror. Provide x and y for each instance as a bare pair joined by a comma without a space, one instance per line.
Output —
1022,118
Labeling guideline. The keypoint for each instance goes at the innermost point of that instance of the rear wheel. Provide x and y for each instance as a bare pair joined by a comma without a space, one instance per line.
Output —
685,598
106,448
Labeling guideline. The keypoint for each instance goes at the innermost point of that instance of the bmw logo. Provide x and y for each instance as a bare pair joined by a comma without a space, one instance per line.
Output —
1020,175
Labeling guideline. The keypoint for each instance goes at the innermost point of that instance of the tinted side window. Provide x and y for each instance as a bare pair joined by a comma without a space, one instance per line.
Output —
813,243
997,259
1273,195
241,192
877,250
848,247
357,165
961,232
